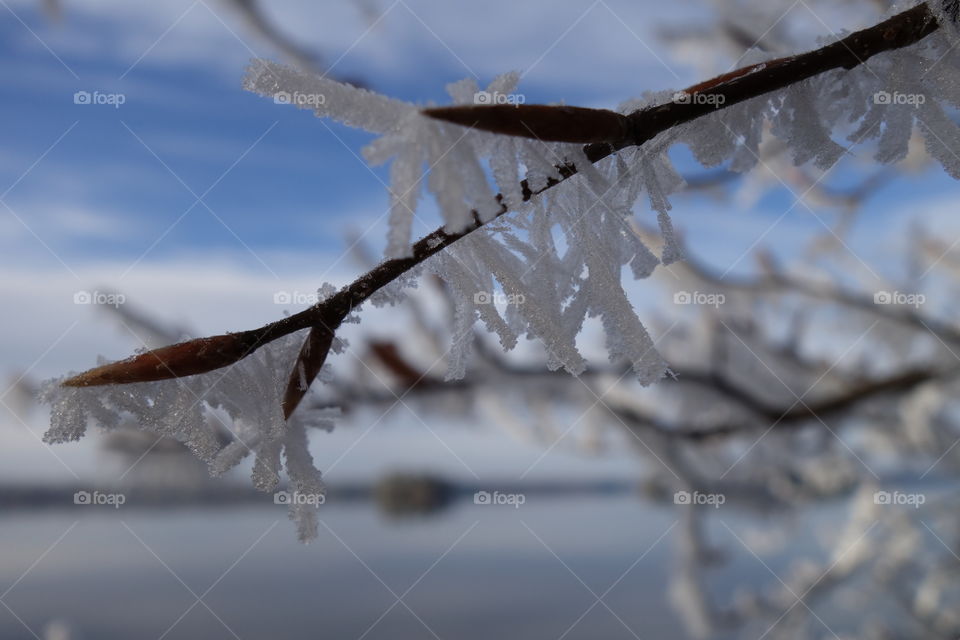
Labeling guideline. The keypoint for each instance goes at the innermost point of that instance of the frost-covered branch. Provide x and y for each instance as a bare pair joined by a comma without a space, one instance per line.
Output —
554,233
565,124
560,124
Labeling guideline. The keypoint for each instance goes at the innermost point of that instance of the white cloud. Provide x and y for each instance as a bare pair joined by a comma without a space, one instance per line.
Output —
546,37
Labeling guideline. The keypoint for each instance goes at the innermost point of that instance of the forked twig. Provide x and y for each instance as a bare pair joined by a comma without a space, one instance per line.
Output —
604,133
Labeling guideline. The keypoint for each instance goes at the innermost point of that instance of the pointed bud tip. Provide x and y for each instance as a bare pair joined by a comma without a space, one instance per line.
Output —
539,122
174,361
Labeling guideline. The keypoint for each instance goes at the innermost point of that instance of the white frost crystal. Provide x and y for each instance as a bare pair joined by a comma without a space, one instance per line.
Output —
248,393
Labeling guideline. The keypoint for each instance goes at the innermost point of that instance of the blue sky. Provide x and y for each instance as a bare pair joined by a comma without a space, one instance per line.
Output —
104,197
298,183
116,184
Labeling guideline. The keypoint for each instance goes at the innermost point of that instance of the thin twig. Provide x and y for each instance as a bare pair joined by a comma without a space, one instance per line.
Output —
207,354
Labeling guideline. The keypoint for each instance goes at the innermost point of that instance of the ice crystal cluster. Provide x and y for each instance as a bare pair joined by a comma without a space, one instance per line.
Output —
222,416
559,256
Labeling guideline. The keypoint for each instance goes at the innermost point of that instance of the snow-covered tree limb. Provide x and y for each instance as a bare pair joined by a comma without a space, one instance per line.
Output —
207,354
548,184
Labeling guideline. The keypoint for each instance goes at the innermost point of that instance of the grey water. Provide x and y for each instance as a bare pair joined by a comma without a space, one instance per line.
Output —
571,567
